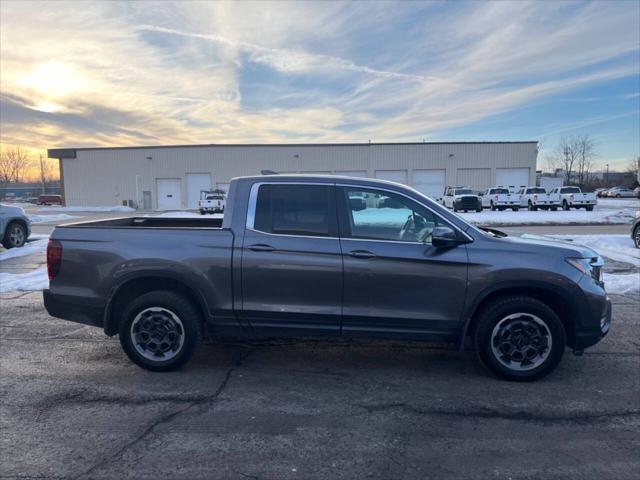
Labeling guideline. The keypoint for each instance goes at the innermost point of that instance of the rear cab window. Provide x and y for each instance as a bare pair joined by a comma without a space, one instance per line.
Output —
290,209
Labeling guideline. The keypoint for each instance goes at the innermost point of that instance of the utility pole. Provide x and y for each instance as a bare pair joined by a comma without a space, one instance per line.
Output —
606,181
42,177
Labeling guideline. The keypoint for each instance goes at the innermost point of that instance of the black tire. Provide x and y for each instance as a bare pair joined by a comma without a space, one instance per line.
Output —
554,209
165,301
618,195
493,207
202,212
636,236
15,235
589,208
534,312
530,206
515,209
565,205
479,208
455,209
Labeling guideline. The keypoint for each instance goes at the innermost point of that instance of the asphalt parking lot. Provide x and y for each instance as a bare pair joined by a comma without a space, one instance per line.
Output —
74,407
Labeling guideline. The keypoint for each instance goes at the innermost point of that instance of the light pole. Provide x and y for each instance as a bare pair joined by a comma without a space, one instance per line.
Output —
606,178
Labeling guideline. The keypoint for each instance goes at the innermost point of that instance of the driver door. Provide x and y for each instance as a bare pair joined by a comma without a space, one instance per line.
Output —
395,281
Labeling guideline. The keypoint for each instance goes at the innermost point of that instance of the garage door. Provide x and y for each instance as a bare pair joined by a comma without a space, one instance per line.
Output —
196,182
169,193
399,176
516,177
476,178
352,173
429,182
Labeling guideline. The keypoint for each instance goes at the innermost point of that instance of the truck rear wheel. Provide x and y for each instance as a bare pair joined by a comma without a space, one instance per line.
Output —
519,338
160,330
565,205
589,208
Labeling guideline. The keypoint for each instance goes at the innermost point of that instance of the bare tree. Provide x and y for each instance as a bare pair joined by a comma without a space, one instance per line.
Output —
14,163
564,157
586,153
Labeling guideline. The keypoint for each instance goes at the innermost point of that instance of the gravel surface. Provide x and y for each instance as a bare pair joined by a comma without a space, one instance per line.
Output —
74,407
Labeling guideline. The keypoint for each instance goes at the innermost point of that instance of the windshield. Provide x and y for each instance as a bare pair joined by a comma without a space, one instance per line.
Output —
571,190
463,191
215,197
498,191
537,190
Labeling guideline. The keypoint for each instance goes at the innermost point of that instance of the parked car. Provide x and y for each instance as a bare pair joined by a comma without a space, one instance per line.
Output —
620,192
635,230
599,191
534,198
49,199
212,202
572,197
636,192
293,258
461,198
15,226
499,198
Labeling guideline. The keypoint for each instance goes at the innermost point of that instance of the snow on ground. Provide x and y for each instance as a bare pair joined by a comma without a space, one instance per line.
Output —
51,218
599,216
616,247
32,281
36,244
113,208
622,283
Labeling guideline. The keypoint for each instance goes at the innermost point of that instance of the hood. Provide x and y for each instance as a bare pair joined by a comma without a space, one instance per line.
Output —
571,248
10,210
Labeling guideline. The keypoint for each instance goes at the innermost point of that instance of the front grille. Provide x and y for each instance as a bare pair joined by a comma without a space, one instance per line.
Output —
467,203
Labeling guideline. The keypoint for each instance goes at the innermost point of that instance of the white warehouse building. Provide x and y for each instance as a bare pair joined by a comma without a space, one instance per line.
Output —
172,177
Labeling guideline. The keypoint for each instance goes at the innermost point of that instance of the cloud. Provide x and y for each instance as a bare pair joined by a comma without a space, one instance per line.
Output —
192,72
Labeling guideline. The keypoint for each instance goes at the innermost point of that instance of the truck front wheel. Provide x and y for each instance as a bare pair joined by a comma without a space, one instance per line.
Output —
565,205
519,338
160,330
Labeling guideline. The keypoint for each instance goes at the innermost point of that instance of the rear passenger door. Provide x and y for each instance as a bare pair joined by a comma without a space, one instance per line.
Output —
291,260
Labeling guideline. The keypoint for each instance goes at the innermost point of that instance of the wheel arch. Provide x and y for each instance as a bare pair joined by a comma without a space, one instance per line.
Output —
11,221
559,301
133,287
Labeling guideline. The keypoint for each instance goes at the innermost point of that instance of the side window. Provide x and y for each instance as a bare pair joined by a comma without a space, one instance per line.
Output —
296,210
387,216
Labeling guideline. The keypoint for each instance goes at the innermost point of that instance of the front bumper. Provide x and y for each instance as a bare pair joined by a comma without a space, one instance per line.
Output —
588,337
73,309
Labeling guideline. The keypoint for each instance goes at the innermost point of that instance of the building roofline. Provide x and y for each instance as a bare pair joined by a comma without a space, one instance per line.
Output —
71,152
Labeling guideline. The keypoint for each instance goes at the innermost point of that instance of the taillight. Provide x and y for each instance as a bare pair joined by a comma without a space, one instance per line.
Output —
54,258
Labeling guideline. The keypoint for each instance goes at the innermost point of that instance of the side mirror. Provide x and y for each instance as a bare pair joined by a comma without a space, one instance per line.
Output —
444,236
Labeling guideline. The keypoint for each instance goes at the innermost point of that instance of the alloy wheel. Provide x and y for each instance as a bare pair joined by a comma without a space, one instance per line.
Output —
521,341
157,334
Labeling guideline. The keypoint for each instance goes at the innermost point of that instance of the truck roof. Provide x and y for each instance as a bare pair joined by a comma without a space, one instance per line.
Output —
319,178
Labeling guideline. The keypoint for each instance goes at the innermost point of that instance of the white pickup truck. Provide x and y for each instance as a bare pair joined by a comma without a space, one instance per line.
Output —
212,202
572,197
461,199
534,198
499,198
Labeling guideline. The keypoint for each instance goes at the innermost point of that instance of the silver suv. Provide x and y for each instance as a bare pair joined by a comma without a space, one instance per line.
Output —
15,226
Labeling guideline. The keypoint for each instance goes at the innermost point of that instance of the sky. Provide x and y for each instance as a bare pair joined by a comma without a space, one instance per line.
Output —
144,73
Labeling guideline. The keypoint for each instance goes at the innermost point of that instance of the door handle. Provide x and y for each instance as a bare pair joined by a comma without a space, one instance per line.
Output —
362,254
261,247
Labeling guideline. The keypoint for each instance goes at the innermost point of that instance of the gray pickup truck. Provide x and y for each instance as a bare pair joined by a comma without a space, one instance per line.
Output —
328,256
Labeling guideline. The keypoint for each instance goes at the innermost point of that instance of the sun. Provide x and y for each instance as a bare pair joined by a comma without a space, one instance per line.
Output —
52,82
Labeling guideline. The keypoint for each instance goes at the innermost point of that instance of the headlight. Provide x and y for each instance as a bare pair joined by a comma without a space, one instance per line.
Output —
589,266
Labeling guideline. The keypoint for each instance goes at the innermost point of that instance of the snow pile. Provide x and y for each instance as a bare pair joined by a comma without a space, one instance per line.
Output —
601,216
37,244
622,283
113,208
31,281
616,247
51,218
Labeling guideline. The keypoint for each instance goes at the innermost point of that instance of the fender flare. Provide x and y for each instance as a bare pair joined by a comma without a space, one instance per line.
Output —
472,308
117,287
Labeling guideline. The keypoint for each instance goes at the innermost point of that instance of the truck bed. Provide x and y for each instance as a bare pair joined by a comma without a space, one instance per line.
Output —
150,222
